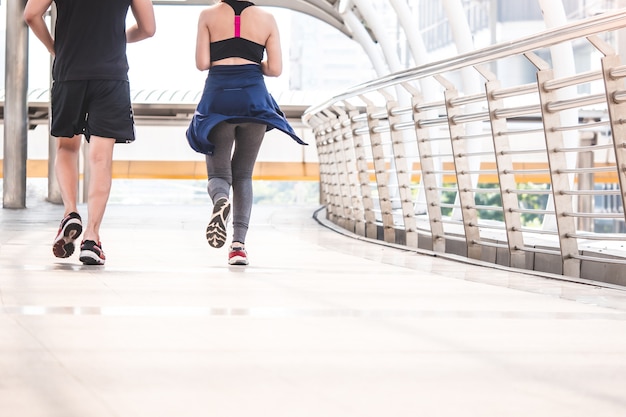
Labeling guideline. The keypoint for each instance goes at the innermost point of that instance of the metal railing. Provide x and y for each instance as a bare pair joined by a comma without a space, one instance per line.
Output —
517,175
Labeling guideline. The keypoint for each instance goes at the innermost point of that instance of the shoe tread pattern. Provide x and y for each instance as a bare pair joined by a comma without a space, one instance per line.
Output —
63,246
216,230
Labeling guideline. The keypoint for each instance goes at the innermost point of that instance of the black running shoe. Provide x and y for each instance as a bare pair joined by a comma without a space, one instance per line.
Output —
216,230
91,253
71,227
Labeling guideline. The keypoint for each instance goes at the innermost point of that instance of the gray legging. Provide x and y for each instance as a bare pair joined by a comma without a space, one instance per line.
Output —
224,171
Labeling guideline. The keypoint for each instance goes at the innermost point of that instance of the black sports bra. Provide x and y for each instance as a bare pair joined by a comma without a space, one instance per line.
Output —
237,46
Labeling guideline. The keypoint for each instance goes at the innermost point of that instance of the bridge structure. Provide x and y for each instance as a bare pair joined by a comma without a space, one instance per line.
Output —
586,120
425,159
526,175
466,256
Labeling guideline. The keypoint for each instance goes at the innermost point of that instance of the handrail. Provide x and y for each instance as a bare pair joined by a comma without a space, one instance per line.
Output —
528,167
602,23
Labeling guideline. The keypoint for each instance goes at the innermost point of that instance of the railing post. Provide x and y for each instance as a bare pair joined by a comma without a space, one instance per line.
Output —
428,176
506,180
354,199
358,125
463,173
402,174
381,172
322,138
343,199
614,83
559,178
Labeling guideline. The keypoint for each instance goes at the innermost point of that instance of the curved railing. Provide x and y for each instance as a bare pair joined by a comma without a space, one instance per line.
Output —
528,176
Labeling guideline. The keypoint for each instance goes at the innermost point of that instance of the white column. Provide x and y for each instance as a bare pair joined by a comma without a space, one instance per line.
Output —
366,42
15,107
376,24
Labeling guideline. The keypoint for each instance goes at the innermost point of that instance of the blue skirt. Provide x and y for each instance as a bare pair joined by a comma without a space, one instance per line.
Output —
235,94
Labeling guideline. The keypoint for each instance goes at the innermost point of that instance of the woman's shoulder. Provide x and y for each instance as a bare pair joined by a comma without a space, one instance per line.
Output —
262,15
210,11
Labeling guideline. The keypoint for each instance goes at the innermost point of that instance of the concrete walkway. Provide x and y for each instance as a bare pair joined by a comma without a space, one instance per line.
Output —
318,325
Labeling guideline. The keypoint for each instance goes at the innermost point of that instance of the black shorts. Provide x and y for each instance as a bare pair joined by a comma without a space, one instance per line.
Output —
92,108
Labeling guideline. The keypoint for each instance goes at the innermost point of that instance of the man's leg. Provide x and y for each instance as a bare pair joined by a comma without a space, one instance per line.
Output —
100,159
66,169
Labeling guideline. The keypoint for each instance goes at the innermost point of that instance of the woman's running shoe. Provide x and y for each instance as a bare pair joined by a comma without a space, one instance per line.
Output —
216,230
237,256
71,227
91,253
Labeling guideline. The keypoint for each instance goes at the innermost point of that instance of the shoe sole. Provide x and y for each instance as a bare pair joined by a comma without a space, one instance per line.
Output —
63,246
90,258
216,230
237,260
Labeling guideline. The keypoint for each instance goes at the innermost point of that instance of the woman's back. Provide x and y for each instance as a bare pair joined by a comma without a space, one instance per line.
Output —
256,23
256,26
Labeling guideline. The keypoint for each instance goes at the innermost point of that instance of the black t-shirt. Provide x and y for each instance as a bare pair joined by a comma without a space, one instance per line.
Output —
90,40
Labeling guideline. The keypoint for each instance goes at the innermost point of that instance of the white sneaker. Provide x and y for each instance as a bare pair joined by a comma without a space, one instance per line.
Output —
237,256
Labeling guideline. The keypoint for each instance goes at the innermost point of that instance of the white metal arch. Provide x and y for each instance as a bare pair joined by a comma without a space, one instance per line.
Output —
324,10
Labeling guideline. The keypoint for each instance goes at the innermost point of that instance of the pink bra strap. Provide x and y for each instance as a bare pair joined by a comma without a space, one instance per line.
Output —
237,26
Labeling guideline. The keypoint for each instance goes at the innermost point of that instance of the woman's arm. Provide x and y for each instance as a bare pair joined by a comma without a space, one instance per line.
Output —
273,65
203,42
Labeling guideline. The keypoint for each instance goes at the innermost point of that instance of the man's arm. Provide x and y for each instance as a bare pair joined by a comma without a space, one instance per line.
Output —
34,13
146,23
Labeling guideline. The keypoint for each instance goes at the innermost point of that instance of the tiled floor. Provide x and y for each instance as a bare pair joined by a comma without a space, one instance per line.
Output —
318,325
